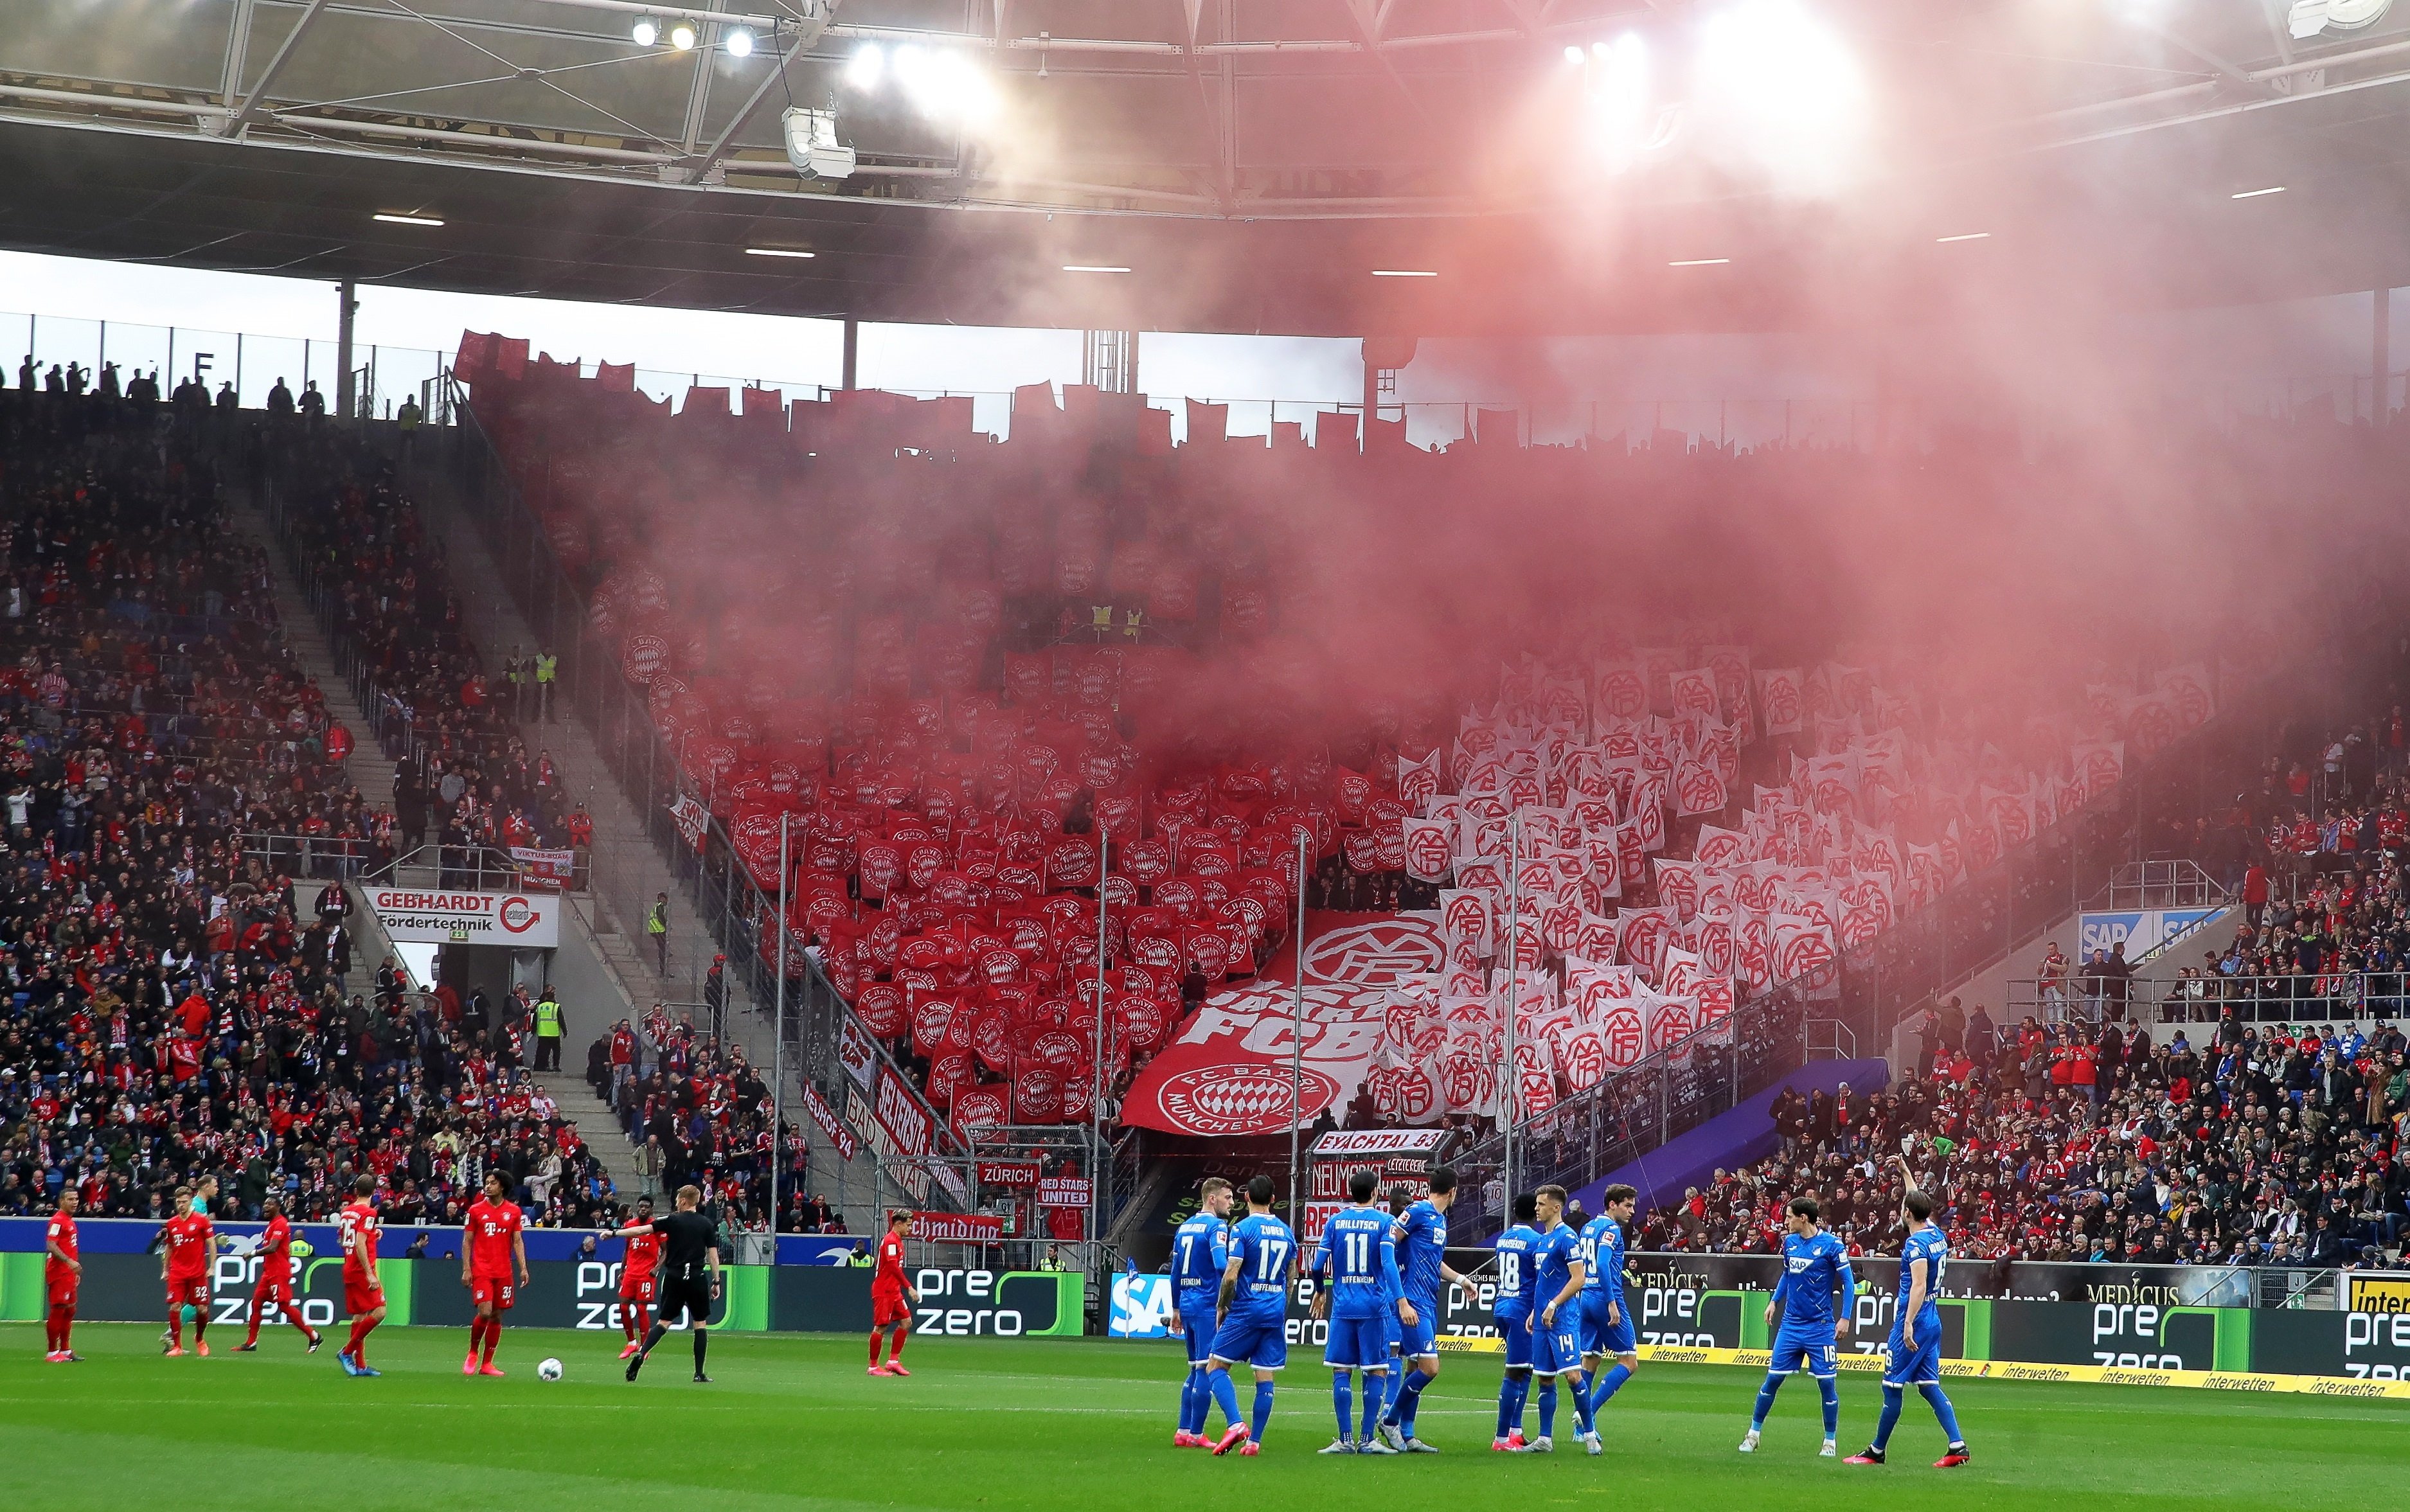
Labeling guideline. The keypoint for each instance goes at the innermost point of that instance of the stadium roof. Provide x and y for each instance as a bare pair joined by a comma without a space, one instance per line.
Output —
1251,163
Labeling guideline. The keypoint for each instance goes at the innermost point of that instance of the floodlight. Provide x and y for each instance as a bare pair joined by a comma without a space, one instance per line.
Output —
682,36
646,31
867,67
739,43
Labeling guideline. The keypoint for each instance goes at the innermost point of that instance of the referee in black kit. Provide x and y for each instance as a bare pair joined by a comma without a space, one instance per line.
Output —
691,1246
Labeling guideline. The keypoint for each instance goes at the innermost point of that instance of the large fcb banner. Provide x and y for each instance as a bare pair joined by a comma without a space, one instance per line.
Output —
1228,1073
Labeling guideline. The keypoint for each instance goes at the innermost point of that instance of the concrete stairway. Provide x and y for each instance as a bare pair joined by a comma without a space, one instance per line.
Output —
593,1115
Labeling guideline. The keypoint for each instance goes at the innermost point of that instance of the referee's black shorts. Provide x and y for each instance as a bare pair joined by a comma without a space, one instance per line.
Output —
691,1298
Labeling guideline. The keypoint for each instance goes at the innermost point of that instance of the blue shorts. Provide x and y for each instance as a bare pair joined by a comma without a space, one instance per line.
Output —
1415,1339
1599,1336
1356,1344
1392,1330
1914,1362
1197,1328
1805,1349
1517,1334
1556,1351
1258,1339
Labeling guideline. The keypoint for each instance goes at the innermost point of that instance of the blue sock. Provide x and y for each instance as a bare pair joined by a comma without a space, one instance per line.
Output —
1343,1402
1188,1401
1608,1384
1764,1400
1892,1400
1832,1390
1377,1396
1523,1395
1410,1397
1581,1408
1548,1406
1263,1410
1506,1405
1943,1410
1226,1395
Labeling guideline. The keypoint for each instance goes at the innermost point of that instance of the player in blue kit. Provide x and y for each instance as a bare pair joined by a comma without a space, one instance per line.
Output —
1914,1355
1607,1330
1513,1311
1813,1299
1421,1235
1361,1260
1254,1312
1201,1252
1557,1276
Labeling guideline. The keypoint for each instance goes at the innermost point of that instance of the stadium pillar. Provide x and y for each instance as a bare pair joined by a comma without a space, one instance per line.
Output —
347,306
852,349
2381,356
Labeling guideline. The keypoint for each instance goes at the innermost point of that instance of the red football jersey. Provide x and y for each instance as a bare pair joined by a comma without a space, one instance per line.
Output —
888,1282
188,1244
491,1228
276,1245
644,1257
61,1233
357,1225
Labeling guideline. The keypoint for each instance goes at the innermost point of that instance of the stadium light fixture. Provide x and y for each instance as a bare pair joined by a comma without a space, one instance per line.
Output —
2254,194
1404,272
1574,55
812,147
1093,267
1966,236
739,43
1699,262
779,251
646,31
392,218
867,67
682,36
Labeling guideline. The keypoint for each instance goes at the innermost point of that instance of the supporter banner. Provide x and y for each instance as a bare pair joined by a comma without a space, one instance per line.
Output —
831,1127
958,1228
1007,1172
900,1115
956,1303
546,868
521,921
1228,1074
855,1052
2141,931
1378,1142
692,820
1064,1192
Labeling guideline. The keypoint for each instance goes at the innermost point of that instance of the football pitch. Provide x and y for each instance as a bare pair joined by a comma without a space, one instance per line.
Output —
792,1421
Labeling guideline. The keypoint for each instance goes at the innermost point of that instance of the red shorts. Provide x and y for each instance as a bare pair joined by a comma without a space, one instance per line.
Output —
888,1309
188,1288
484,1289
638,1288
273,1289
61,1290
361,1296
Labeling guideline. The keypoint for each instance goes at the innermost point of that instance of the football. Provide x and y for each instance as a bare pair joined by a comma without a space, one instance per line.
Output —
548,1371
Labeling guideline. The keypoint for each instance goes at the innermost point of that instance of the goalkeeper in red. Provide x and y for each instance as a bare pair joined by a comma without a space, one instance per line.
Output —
496,1248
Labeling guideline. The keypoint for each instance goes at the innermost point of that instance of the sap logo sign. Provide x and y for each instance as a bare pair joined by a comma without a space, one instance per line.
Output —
1142,1307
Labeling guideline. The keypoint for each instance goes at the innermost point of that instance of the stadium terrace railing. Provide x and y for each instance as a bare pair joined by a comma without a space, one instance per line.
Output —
2281,998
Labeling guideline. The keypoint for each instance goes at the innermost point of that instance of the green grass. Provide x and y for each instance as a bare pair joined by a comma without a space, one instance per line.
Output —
1071,1426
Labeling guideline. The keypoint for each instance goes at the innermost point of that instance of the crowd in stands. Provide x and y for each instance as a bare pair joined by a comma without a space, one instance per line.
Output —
697,1110
173,1008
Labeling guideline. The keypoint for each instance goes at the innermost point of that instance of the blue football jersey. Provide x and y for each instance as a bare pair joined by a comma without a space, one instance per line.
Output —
1554,1254
1201,1252
1422,1244
1355,1251
1815,1272
1601,1252
1265,1248
1515,1272
1930,1244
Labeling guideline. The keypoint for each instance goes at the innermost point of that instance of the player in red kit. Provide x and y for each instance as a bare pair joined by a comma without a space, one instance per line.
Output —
890,1298
60,1272
495,1246
188,1243
276,1280
639,1278
363,1287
